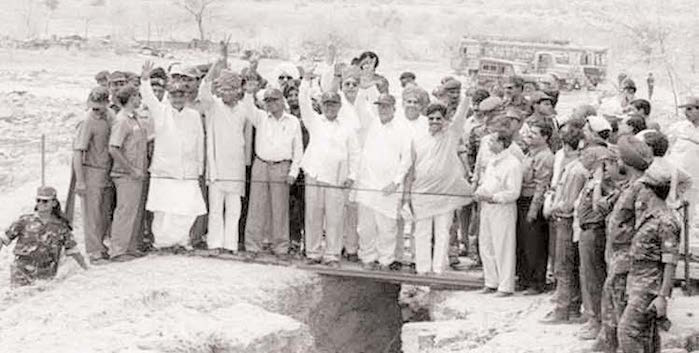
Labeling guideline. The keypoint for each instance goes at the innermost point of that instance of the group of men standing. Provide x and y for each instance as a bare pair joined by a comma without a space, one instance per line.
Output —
327,164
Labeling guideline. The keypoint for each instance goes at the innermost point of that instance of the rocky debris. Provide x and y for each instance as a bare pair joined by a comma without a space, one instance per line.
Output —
474,322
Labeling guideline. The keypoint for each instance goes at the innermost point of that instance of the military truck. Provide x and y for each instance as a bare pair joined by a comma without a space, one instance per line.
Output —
573,67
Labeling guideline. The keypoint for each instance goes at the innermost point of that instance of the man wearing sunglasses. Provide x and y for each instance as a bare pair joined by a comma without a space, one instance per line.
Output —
91,164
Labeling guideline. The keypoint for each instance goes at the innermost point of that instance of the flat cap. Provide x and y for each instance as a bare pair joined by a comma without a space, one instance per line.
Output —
489,104
538,96
330,97
118,76
691,101
407,74
385,98
272,94
598,123
452,84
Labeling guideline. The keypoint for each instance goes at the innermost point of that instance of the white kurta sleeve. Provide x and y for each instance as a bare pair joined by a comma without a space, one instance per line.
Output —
512,184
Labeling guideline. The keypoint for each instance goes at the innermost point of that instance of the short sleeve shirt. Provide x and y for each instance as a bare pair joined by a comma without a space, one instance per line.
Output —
131,137
92,137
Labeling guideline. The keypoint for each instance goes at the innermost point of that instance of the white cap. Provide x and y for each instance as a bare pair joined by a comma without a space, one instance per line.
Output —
598,123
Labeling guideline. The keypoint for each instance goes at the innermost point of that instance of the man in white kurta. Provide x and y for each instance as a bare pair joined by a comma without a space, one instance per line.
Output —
439,186
329,163
178,160
225,152
498,192
384,162
684,150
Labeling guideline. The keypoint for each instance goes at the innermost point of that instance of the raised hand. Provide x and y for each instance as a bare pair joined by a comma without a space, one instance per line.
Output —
147,69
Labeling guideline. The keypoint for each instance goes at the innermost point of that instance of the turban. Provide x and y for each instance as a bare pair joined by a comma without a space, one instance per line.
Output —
351,72
414,91
635,153
228,79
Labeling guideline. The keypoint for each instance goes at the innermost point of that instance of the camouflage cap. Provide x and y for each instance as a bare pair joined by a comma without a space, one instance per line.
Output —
45,193
385,98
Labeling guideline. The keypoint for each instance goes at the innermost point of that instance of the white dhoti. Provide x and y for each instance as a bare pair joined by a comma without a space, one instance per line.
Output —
175,205
497,245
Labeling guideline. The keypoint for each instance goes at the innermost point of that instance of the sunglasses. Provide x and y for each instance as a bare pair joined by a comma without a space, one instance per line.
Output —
286,78
43,201
351,84
691,108
509,87
434,118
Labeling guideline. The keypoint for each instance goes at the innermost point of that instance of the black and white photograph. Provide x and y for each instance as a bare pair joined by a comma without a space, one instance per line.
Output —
349,176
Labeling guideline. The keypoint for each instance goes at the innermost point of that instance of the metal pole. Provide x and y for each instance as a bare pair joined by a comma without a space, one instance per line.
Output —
43,160
687,278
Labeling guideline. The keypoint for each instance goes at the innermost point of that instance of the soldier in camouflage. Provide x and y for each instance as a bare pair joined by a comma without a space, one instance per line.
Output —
654,253
41,237
634,157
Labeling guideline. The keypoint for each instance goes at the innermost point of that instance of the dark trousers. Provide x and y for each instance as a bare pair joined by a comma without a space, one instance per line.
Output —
198,231
244,209
593,269
532,246
296,212
568,297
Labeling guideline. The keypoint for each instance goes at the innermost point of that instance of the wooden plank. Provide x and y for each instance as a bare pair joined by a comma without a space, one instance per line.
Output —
450,280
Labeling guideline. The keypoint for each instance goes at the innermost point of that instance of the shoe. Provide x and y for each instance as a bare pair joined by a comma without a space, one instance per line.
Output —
370,266
488,290
503,294
576,317
138,253
352,257
589,332
532,291
454,260
313,261
521,287
395,266
250,255
123,258
554,318
332,264
283,257
96,261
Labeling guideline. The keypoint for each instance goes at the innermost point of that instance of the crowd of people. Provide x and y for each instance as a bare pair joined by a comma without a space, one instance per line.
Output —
325,163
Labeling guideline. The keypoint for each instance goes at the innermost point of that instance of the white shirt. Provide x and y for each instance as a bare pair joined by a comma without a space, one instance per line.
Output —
226,139
276,139
439,174
418,127
385,159
332,155
179,138
485,154
503,176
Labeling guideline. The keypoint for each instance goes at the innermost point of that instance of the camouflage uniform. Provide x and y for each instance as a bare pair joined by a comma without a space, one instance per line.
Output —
38,248
655,243
633,200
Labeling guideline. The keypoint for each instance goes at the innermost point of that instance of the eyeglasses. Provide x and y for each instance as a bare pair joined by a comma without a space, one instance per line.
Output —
509,87
285,78
43,201
691,108
350,84
434,118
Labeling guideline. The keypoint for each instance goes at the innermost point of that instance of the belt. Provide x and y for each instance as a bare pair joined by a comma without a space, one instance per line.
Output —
273,162
588,226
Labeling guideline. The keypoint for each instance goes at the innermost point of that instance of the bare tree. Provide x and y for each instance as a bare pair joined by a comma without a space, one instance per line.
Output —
198,9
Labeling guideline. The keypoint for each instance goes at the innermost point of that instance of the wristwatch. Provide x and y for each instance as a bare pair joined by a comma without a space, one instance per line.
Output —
666,297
